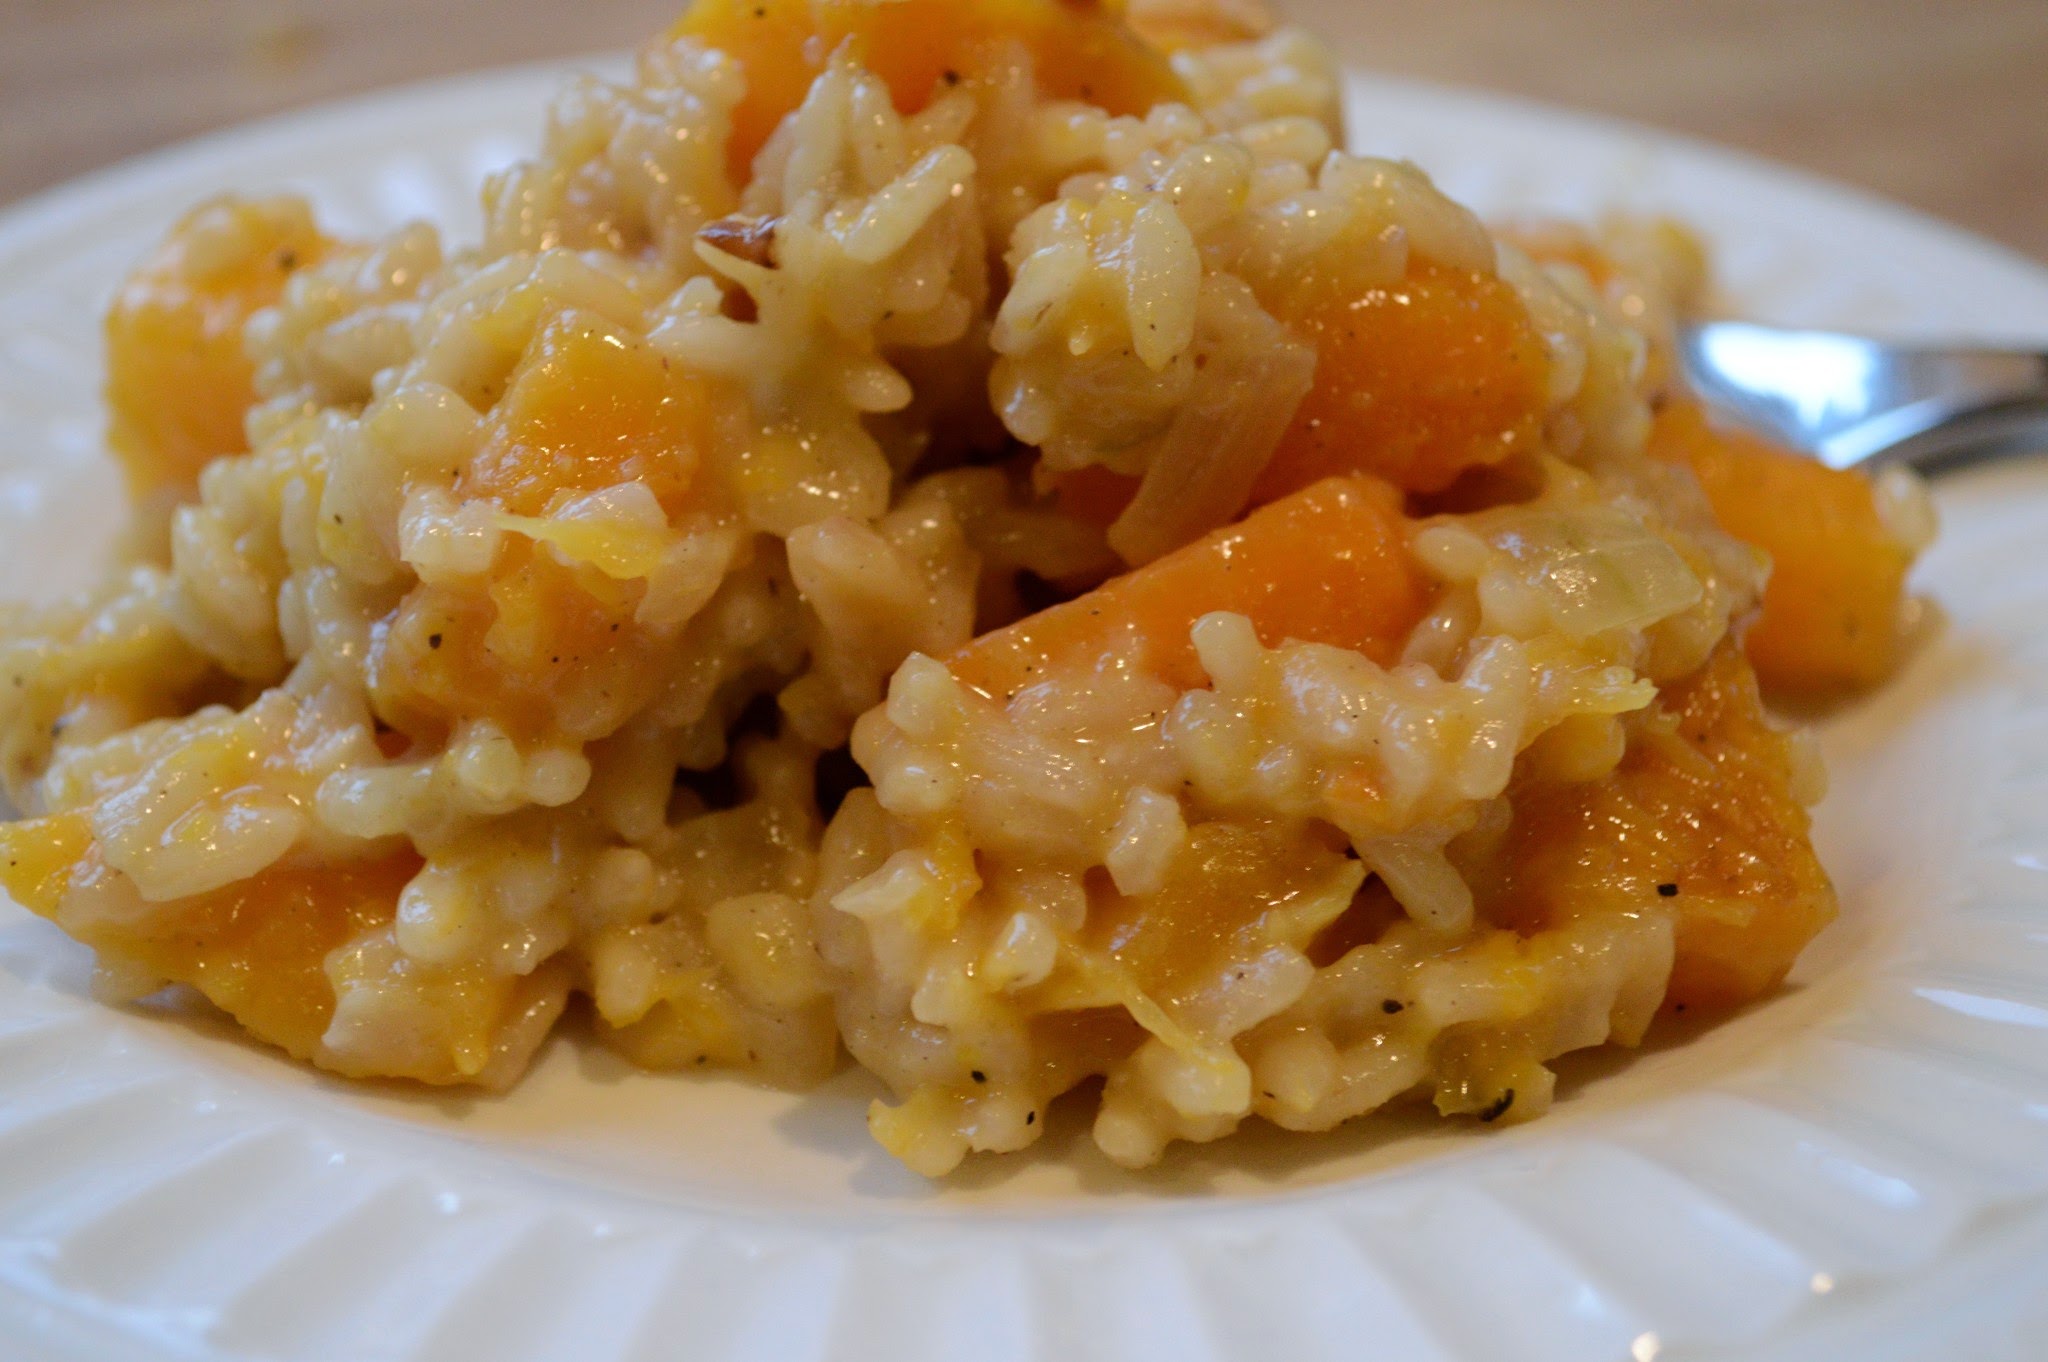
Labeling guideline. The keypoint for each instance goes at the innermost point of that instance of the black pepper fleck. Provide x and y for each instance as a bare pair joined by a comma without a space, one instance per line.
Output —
1669,891
433,640
1391,1006
1030,1118
1499,1107
978,1076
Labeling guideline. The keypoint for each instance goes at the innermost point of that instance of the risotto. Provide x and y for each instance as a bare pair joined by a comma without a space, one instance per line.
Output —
968,534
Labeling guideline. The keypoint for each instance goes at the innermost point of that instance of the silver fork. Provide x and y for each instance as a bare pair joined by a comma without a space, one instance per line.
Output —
1853,402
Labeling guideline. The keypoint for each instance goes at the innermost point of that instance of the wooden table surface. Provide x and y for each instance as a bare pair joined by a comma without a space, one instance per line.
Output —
1942,104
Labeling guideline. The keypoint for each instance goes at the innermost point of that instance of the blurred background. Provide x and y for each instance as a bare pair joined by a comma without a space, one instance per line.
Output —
1941,104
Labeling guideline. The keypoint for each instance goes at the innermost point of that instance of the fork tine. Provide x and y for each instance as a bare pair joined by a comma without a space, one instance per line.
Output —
1853,401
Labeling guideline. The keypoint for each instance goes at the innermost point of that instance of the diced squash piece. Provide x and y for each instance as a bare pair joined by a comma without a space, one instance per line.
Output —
585,410
37,856
525,650
1703,817
1832,617
1414,383
178,381
1419,384
1329,564
1219,904
1080,49
257,949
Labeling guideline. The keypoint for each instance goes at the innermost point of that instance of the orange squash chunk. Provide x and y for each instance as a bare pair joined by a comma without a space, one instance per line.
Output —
1701,817
178,382
1329,565
587,409
1215,906
517,651
257,949
1413,384
1831,613
1081,50
37,856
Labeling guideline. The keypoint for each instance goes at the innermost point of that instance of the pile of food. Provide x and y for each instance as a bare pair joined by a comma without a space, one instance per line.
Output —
963,532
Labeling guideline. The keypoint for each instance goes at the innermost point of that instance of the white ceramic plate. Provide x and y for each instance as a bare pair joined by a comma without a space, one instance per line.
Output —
1858,1165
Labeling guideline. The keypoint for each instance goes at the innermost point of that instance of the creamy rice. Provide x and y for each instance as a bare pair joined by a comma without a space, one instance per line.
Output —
520,653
